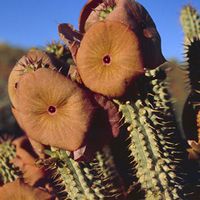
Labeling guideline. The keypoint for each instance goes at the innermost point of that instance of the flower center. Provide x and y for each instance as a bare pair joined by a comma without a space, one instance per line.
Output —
52,109
106,59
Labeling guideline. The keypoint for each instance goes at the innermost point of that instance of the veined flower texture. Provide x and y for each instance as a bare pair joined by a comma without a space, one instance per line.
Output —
53,110
109,58
132,14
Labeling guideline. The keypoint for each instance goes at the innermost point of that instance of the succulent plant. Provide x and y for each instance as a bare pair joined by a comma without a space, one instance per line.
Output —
192,105
71,110
132,14
155,144
190,21
60,56
97,179
192,49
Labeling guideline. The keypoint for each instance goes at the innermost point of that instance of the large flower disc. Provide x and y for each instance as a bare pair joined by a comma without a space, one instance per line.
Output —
109,58
53,110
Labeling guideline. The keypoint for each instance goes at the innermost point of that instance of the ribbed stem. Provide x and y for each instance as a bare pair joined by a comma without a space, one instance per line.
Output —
190,21
154,146
192,106
93,180
192,49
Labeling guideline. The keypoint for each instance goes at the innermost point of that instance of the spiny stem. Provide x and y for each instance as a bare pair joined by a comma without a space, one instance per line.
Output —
190,21
93,180
154,146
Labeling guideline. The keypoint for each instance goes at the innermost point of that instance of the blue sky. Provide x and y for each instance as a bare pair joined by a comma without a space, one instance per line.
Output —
33,23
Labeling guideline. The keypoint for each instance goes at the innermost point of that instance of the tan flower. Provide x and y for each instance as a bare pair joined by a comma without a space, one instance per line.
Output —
19,191
34,60
53,110
132,14
109,58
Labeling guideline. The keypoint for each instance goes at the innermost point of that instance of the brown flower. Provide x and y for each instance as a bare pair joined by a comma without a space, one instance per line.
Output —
34,60
19,191
132,14
53,110
109,58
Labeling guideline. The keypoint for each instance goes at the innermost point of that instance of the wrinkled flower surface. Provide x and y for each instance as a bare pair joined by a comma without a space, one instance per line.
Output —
132,14
53,110
109,58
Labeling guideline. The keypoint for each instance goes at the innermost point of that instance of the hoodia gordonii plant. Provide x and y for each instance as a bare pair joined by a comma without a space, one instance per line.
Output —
72,114
43,109
159,154
157,145
192,48
191,109
97,179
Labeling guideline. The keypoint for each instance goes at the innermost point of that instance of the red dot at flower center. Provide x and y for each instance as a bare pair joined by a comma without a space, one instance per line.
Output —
106,59
52,109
